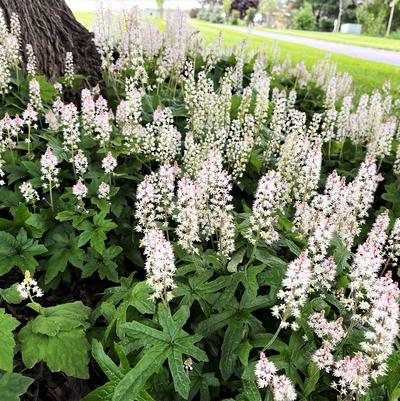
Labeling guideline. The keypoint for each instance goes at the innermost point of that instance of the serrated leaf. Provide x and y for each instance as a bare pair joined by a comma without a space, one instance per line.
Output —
106,364
13,385
215,322
11,295
102,393
187,347
133,382
136,329
244,352
64,249
250,391
180,377
393,377
7,343
139,298
58,338
229,352
313,375
236,259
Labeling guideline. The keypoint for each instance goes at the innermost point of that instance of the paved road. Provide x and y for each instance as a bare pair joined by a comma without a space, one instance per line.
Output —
367,53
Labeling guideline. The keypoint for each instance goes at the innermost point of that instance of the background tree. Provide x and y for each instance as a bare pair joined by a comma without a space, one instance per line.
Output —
392,7
305,18
160,6
375,14
343,5
227,8
267,8
243,5
52,30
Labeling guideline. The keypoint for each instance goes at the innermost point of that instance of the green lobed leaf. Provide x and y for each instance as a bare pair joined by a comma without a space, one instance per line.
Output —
135,380
13,385
7,343
229,352
180,377
57,337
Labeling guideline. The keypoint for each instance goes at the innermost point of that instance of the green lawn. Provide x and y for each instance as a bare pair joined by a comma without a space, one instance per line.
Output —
368,75
359,40
85,18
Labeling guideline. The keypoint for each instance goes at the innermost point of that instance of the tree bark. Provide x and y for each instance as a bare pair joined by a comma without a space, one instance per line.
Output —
339,18
389,26
52,30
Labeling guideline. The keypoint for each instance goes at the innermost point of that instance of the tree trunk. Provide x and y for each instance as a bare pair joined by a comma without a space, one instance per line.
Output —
52,30
339,18
392,7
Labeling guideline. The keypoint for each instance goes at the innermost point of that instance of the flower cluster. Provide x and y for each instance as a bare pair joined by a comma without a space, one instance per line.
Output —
160,264
266,374
203,204
49,170
31,65
29,287
10,40
345,205
109,163
29,193
80,190
69,69
34,95
270,199
104,191
295,290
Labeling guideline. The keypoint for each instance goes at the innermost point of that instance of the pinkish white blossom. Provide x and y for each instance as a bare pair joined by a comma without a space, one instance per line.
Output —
270,199
265,371
88,111
295,289
393,246
49,170
80,190
109,163
70,127
159,265
187,217
69,69
367,263
266,374
29,193
154,196
34,95
352,373
323,358
330,332
103,191
80,163
382,323
29,115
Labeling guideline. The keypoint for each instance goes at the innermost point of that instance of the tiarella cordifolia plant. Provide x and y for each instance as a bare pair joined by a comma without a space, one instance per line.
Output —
196,227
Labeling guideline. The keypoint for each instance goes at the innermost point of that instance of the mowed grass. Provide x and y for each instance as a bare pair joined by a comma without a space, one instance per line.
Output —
358,40
86,18
368,75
